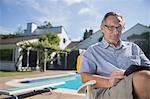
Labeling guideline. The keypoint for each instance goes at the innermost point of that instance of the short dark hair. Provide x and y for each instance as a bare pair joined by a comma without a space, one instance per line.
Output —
111,14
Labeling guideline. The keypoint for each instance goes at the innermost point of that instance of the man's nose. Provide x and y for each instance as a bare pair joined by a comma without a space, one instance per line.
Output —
115,31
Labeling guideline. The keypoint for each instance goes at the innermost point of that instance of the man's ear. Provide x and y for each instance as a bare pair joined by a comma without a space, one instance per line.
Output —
102,28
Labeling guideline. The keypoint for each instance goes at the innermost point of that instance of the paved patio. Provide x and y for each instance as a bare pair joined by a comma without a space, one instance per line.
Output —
60,94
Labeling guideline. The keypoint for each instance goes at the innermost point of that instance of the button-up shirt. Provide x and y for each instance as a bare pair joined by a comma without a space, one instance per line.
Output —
103,58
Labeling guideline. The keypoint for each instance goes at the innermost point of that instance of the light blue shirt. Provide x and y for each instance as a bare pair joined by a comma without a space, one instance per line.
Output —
103,58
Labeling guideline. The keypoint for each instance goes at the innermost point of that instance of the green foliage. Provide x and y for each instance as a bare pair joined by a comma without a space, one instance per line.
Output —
145,35
12,36
143,41
51,38
48,41
49,24
43,38
18,33
68,50
46,25
5,74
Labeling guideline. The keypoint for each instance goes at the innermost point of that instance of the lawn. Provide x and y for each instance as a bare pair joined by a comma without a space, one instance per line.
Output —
4,74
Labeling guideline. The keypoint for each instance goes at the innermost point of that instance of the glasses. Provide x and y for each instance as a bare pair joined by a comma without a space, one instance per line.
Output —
112,28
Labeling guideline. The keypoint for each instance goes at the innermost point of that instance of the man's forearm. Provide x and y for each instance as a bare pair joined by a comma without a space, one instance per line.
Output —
101,81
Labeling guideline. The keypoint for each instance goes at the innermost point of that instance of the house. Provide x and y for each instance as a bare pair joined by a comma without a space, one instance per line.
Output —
95,37
79,47
137,29
72,44
30,59
92,39
10,52
140,35
33,29
86,35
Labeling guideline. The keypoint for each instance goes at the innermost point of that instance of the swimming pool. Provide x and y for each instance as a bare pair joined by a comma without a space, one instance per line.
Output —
72,82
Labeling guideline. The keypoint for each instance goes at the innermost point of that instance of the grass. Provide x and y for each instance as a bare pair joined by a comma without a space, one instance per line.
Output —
5,74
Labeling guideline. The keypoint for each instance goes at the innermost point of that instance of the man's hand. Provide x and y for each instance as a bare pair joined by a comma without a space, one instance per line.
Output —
115,78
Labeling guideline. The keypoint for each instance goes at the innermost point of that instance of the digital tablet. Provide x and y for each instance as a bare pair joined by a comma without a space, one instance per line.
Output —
134,68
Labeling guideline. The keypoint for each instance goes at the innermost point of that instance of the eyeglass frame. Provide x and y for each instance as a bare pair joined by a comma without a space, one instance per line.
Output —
112,28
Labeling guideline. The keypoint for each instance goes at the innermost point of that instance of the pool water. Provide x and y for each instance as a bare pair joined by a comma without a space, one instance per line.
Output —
72,84
50,79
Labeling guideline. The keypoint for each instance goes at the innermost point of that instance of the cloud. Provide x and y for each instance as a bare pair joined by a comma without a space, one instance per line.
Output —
91,11
71,2
39,7
49,10
86,11
55,21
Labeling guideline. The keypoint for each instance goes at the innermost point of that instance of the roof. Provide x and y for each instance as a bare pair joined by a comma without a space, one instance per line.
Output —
136,29
48,30
72,44
94,38
17,39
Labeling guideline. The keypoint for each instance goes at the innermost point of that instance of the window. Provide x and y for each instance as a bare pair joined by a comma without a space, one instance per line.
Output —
6,54
64,40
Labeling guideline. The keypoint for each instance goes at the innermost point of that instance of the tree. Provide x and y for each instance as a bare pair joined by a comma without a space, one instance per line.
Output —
19,30
12,36
46,24
48,43
53,38
18,33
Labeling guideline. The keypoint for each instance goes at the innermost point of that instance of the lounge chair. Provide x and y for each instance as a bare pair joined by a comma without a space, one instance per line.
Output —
87,89
14,91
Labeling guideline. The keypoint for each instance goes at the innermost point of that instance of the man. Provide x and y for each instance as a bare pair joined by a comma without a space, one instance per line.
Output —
107,60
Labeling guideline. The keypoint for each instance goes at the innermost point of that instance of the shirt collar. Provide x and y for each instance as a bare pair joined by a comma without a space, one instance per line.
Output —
105,44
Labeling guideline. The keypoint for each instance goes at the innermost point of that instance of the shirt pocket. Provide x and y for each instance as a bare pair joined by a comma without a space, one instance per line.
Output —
134,60
123,62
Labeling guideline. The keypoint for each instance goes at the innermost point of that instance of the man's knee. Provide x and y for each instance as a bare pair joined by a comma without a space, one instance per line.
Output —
141,81
141,76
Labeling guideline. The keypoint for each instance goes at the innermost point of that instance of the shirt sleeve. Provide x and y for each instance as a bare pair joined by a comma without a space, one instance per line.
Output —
87,63
144,60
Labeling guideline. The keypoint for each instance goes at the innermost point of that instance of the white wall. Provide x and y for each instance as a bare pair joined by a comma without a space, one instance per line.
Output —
62,36
31,27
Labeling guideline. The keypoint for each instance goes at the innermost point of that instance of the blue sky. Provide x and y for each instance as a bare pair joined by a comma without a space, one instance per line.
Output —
74,15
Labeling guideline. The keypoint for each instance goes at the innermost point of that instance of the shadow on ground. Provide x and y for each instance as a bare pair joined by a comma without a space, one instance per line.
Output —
25,95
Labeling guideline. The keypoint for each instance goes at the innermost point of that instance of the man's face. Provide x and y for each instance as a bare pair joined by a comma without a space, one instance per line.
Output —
112,29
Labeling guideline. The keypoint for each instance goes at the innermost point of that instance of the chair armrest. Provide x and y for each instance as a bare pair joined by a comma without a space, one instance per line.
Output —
86,86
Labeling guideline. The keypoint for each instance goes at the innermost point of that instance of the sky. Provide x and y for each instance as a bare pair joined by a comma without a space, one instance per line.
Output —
74,15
